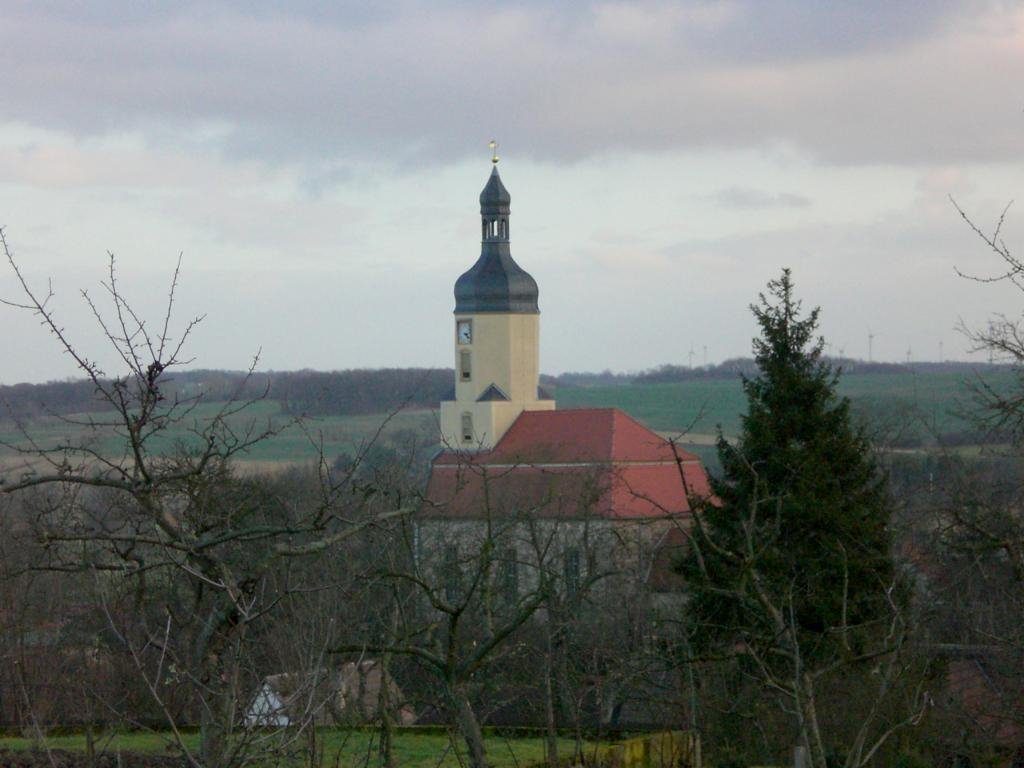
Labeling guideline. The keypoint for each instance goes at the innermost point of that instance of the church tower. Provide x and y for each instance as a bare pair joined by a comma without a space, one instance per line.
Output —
496,335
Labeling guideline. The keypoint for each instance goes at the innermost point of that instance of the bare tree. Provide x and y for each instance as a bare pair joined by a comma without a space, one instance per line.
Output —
189,560
980,532
1002,337
464,585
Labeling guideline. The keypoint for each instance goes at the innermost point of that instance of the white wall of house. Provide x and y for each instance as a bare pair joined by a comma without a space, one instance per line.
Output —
618,555
267,709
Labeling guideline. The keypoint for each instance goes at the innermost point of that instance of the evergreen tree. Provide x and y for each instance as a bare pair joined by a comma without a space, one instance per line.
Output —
790,564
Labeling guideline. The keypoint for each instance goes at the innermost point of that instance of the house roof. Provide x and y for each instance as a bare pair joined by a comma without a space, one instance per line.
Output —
576,462
493,392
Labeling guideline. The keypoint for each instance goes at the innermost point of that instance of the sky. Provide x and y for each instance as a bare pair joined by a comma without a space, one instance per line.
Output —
316,166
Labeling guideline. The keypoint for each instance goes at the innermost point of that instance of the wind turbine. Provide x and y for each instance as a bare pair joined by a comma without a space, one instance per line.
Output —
871,344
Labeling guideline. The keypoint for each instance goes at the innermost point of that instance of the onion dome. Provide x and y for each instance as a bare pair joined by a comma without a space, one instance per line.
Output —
495,198
495,283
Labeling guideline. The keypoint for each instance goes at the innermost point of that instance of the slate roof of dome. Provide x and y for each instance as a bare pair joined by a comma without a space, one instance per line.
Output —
494,194
495,283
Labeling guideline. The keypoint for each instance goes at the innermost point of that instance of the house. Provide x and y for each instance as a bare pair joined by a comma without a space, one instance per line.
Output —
602,484
348,696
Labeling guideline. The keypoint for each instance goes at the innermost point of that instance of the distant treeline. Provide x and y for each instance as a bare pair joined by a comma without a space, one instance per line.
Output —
29,401
736,366
586,379
316,393
363,391
746,366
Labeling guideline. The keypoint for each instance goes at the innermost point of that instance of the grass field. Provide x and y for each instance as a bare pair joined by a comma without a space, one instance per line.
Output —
933,400
341,747
294,444
927,404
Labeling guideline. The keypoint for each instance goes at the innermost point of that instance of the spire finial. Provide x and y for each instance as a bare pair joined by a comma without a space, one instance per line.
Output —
494,151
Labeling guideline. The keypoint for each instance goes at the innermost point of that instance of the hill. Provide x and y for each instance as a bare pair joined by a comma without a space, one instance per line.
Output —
903,408
306,392
907,407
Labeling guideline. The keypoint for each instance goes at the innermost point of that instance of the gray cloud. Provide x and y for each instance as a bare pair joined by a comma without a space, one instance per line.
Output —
776,31
899,82
896,274
748,198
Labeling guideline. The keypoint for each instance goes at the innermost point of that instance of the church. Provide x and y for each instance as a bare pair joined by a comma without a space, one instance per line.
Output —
510,453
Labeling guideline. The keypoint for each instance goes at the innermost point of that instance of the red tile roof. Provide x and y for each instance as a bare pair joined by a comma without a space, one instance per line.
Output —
595,461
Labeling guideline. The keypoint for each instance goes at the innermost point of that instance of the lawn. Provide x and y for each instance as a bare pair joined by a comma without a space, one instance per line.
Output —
413,748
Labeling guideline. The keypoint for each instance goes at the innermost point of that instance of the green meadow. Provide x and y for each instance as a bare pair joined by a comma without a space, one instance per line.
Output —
413,747
923,404
933,402
291,440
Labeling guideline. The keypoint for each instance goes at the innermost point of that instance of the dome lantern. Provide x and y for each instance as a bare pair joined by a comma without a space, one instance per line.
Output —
495,283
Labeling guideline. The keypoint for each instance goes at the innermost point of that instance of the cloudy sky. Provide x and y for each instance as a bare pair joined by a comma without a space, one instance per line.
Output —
317,166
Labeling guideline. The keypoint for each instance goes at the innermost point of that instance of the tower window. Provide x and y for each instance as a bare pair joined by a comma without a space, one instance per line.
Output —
465,365
467,427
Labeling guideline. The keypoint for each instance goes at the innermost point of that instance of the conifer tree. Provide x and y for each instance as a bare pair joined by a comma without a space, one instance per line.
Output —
790,565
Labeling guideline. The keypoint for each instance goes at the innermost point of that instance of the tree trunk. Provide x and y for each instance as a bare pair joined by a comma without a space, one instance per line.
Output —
90,747
570,704
314,747
551,744
809,725
211,737
216,653
384,709
216,724
469,727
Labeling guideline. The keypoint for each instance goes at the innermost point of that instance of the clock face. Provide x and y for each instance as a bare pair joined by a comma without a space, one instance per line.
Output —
465,332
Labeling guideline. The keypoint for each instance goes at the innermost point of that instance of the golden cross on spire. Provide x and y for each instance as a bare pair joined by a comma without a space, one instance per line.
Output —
494,151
